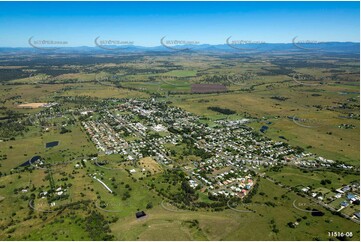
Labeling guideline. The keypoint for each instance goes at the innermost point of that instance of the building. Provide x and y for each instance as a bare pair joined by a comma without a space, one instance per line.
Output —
140,214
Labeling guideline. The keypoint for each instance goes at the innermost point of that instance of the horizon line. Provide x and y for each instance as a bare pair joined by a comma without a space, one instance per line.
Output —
160,45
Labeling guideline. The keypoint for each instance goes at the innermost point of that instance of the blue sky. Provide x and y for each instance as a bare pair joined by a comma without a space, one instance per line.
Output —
145,23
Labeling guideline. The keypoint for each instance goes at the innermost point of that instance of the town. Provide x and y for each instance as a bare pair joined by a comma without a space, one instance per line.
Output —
229,151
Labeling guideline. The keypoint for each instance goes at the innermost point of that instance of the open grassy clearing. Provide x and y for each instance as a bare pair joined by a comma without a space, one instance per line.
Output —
96,90
295,177
150,165
231,225
71,145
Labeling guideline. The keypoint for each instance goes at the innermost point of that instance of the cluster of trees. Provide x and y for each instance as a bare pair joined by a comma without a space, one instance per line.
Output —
277,71
10,126
12,129
126,195
63,81
58,198
64,130
223,79
192,150
222,110
325,181
276,168
97,227
12,74
229,79
279,98
186,196
274,227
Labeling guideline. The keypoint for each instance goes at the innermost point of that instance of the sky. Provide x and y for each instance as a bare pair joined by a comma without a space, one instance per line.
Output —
145,23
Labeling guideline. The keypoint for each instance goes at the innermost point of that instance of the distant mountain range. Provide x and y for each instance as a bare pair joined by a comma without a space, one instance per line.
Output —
340,47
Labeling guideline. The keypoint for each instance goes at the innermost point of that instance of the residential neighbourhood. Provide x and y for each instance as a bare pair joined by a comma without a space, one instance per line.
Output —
230,151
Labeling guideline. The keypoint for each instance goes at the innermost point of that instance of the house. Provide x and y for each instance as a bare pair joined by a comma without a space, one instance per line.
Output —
344,204
338,195
346,188
43,193
351,197
356,202
305,189
339,191
140,214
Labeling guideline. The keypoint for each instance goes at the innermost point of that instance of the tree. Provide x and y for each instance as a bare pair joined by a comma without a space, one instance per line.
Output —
149,205
290,224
